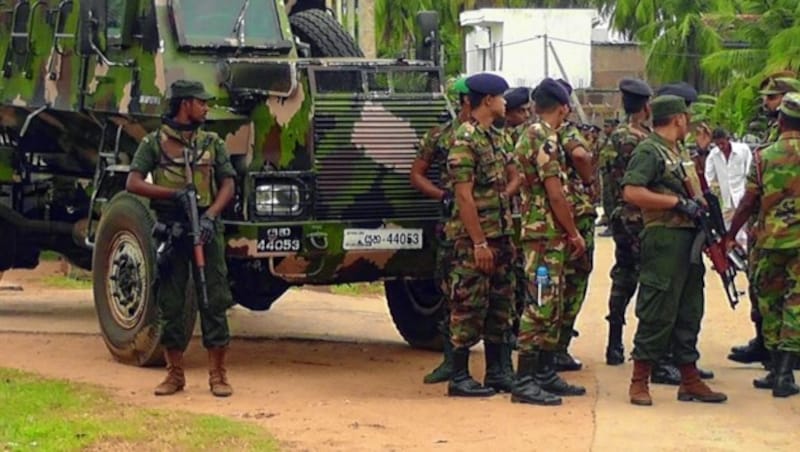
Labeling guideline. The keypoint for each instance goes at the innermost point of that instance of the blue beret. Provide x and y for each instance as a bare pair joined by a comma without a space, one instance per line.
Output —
486,83
565,84
635,87
517,97
551,89
680,89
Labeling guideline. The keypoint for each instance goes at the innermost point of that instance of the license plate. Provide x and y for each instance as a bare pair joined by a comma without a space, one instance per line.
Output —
283,239
382,239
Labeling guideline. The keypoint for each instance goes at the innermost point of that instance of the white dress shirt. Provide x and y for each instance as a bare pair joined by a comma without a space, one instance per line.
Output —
730,174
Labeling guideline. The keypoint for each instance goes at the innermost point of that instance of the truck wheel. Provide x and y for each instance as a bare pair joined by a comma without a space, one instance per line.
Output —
324,34
416,308
123,274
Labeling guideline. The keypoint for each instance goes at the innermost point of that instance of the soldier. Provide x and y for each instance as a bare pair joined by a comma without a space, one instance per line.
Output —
161,154
604,153
432,151
670,301
774,189
548,233
481,275
773,90
580,181
625,219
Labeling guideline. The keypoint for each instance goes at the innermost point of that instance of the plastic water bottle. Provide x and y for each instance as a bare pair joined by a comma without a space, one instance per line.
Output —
542,281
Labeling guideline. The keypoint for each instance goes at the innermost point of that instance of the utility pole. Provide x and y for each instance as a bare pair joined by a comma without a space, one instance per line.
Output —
351,18
546,62
366,28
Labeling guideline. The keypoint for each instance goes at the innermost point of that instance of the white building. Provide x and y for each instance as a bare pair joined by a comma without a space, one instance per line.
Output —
525,45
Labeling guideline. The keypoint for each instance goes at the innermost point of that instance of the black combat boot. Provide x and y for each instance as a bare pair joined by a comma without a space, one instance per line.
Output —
615,351
665,373
526,390
498,376
442,372
549,380
784,375
461,382
753,352
563,361
768,380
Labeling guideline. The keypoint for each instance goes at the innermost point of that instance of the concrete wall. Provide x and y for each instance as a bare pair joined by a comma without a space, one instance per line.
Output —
610,63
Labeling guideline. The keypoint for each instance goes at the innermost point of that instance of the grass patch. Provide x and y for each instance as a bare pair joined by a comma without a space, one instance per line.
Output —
52,415
358,289
66,282
49,256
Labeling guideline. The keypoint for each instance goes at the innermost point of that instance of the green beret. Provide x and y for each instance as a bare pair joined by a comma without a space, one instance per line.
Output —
667,105
790,105
183,89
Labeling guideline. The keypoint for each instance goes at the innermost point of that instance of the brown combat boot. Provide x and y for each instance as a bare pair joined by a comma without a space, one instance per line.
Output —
639,391
217,378
692,387
175,380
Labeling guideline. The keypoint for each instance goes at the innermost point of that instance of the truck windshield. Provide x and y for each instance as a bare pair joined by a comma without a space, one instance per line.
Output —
236,23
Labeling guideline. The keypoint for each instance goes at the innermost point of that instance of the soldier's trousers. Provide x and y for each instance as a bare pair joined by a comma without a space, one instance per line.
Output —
171,295
625,272
670,303
442,274
752,292
481,305
542,322
778,284
607,196
576,279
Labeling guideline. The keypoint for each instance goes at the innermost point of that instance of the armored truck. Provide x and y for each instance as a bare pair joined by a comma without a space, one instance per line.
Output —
322,140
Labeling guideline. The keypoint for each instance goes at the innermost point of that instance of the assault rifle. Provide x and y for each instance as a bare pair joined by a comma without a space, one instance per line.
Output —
194,224
711,240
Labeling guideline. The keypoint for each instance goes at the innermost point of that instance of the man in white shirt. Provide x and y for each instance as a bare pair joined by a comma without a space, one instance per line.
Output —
726,167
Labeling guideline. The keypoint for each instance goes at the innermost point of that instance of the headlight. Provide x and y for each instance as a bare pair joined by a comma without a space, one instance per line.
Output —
278,200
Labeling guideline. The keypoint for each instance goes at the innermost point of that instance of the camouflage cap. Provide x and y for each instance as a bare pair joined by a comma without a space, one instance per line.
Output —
790,105
181,89
667,105
781,85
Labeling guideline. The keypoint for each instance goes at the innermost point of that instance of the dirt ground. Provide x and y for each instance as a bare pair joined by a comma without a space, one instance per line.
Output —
328,372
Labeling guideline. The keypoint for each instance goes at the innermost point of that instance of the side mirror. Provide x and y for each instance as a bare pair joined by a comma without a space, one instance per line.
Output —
428,36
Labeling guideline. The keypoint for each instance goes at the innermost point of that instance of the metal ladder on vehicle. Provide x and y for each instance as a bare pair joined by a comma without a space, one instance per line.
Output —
104,160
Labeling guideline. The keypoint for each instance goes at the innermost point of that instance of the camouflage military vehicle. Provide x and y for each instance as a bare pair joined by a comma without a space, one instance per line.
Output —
321,138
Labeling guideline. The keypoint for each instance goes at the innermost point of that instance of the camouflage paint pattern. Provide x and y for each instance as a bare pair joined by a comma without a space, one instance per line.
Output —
541,322
623,141
778,278
481,305
352,143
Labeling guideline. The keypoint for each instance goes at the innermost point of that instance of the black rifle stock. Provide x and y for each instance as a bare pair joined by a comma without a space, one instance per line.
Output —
194,223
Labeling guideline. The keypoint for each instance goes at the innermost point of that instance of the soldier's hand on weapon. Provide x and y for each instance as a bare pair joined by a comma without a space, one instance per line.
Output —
207,229
578,245
690,208
484,258
182,196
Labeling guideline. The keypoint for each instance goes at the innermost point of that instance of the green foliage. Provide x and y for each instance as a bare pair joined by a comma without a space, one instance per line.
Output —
49,415
359,289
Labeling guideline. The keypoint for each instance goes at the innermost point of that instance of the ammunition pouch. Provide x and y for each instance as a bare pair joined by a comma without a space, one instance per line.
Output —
166,236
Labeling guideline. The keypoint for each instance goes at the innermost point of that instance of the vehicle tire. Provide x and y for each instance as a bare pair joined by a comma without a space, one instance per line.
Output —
324,34
416,308
124,263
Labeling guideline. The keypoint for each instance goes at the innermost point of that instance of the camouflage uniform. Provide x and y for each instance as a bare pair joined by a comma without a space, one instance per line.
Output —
521,295
211,166
607,153
433,149
481,305
542,239
577,271
626,224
